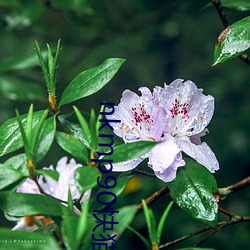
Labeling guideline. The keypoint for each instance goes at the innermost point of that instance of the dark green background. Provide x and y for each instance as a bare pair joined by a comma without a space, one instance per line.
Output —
162,41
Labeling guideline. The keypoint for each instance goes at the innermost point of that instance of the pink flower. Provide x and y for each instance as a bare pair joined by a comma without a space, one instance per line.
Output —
177,115
58,189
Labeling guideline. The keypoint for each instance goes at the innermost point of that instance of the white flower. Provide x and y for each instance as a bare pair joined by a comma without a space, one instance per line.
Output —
58,189
177,115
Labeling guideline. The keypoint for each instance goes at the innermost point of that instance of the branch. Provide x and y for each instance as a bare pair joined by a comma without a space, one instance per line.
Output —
226,23
235,220
152,198
144,173
224,192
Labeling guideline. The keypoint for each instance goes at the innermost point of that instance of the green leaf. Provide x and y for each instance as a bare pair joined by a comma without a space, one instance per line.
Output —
162,221
86,178
124,218
19,63
241,5
92,126
233,41
74,228
143,239
69,231
84,125
53,174
73,146
20,204
46,137
151,223
10,136
193,191
18,162
130,151
122,181
19,90
90,81
9,176
16,240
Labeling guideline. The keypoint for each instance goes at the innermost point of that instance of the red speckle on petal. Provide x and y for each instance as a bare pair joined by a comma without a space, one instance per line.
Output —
140,114
179,109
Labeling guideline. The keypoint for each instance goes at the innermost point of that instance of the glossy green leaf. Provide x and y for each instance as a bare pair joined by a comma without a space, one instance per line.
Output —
10,136
18,162
19,90
21,204
130,151
122,181
17,240
46,138
73,146
233,41
90,81
86,178
9,176
84,125
151,223
241,5
53,174
193,191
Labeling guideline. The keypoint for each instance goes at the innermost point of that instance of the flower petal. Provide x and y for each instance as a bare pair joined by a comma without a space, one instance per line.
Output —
127,165
139,116
29,187
189,110
201,153
165,158
21,225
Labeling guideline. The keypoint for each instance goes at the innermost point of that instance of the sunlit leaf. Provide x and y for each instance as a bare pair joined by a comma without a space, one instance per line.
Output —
90,81
10,136
46,137
193,191
73,146
130,151
9,175
86,178
233,41
21,204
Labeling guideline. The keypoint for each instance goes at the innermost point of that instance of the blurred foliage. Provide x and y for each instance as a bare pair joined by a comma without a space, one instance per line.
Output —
161,41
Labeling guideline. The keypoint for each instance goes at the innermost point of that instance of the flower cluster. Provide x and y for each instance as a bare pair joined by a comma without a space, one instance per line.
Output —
177,116
58,189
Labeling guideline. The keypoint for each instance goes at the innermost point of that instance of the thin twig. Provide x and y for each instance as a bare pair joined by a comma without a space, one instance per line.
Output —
226,23
224,211
224,192
144,173
234,220
204,229
221,225
152,198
